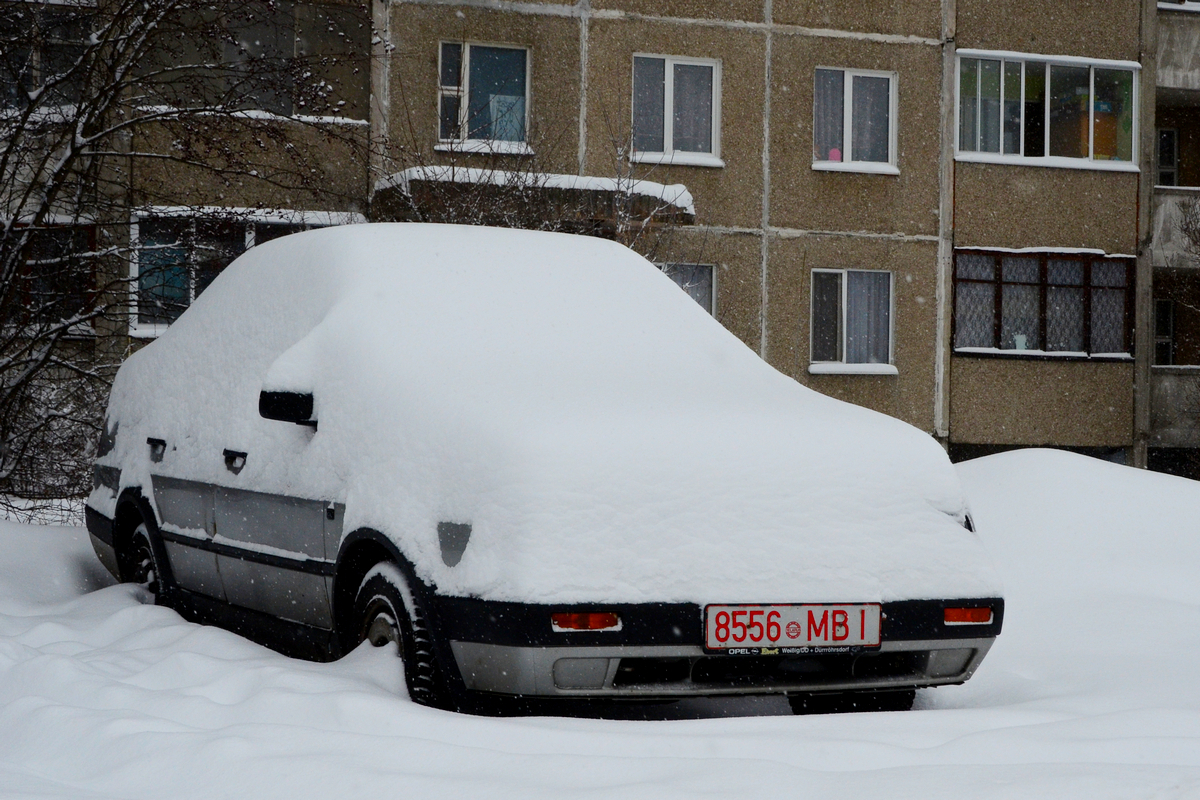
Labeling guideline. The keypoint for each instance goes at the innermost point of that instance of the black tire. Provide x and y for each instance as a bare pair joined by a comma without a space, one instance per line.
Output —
385,611
140,562
847,702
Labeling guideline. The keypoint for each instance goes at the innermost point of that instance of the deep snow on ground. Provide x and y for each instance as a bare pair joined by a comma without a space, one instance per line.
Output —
1091,692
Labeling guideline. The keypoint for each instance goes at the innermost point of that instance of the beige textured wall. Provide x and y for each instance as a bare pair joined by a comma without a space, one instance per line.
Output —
729,195
1000,205
324,169
908,395
1093,28
904,17
843,201
742,10
1025,402
554,71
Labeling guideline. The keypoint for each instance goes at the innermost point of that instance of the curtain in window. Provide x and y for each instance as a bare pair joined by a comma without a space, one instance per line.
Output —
827,115
693,108
989,106
1064,305
1020,302
868,317
869,118
649,103
496,106
827,316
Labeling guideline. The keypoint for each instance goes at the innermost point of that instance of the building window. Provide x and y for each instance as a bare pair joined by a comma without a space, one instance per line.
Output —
1168,157
40,46
853,120
696,280
484,93
1164,332
1042,303
55,281
851,316
179,256
1034,110
676,109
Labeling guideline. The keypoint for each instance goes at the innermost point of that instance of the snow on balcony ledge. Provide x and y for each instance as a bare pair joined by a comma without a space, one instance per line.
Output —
675,194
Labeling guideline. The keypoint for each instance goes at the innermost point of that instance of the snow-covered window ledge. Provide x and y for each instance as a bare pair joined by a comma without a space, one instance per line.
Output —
867,167
490,146
842,368
1045,355
678,158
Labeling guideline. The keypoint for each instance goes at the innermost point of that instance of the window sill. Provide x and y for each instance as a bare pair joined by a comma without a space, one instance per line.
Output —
1057,162
1041,355
866,167
147,331
841,368
680,159
489,146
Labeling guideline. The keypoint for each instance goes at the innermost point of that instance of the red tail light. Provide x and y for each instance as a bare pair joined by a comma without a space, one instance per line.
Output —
967,616
585,621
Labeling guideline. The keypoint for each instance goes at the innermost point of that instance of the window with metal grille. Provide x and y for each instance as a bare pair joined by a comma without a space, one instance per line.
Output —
1041,303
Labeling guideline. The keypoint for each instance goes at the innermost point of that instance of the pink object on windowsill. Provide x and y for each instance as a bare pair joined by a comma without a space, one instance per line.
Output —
835,154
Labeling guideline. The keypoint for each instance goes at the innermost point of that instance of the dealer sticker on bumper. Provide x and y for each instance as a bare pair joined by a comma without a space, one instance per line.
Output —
791,628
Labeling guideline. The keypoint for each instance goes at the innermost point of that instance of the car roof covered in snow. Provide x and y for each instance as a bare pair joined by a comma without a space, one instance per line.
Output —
605,438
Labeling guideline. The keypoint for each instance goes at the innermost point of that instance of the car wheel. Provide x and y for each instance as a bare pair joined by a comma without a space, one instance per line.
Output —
846,702
386,611
141,563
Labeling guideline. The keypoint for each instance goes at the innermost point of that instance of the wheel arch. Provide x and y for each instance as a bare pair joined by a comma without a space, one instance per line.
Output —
133,508
361,550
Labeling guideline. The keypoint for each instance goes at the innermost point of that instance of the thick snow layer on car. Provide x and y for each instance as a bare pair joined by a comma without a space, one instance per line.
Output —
1090,693
604,437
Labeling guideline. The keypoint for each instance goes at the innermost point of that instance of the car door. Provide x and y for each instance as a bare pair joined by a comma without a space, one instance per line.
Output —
185,510
271,554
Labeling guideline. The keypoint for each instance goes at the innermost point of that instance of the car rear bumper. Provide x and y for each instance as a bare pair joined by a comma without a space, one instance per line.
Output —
686,670
511,649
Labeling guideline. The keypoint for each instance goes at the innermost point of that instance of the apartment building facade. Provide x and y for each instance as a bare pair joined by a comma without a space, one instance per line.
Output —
944,211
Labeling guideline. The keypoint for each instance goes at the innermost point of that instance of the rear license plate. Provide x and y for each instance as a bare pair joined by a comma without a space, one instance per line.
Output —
753,629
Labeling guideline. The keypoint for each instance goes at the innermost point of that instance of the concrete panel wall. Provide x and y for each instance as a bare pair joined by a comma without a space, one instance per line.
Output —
843,201
908,395
729,195
1000,205
904,18
1025,402
554,72
1092,28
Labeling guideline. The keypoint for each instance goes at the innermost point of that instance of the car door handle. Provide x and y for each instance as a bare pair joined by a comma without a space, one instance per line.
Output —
235,461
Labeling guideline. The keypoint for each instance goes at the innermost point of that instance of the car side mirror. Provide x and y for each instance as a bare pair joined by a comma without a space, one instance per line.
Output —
294,407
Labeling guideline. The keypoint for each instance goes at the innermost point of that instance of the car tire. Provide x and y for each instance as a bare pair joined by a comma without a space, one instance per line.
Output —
386,610
847,702
140,563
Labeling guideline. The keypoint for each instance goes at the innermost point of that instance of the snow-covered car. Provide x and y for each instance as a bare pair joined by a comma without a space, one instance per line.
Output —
540,469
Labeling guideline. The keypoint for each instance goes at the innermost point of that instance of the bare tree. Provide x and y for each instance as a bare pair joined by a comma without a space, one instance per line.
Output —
123,105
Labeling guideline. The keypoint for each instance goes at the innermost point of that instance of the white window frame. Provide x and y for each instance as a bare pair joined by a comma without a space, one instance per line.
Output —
848,164
463,92
844,367
246,216
1062,162
669,155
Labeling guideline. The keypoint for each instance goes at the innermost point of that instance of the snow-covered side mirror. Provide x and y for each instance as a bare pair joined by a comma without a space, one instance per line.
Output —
294,407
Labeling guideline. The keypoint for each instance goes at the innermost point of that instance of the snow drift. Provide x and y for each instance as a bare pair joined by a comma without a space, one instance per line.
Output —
605,438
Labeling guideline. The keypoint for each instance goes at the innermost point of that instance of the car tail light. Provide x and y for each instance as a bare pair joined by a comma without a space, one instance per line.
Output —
585,621
967,616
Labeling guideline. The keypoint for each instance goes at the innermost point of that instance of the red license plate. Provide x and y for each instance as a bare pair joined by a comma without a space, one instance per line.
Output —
790,627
